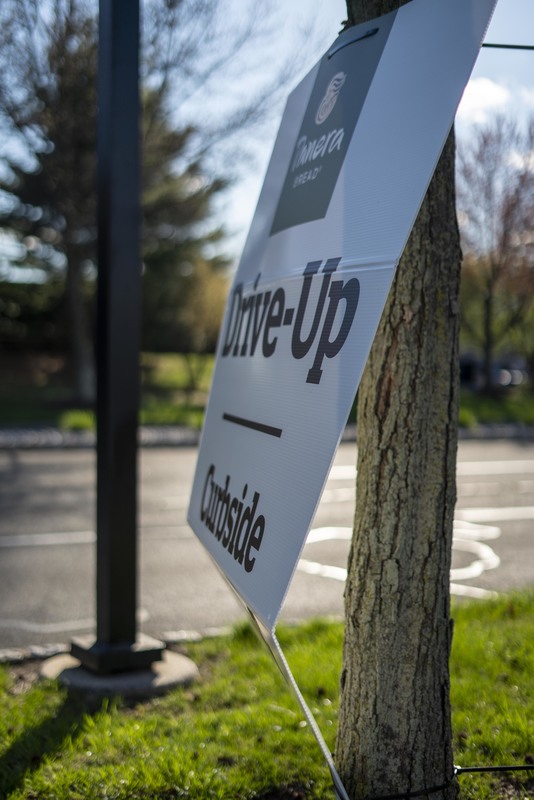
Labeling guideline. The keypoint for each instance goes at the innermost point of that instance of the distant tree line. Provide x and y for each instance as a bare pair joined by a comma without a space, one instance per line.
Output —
48,192
495,175
48,113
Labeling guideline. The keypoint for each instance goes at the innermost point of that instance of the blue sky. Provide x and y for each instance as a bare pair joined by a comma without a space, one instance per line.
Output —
502,80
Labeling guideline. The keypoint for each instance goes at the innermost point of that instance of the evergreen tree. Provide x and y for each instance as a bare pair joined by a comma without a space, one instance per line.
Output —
176,206
51,191
51,178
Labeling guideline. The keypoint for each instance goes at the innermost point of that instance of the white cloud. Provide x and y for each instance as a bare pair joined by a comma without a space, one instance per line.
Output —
482,98
527,96
522,160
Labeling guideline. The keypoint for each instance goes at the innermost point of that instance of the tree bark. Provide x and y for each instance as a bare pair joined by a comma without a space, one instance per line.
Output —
394,732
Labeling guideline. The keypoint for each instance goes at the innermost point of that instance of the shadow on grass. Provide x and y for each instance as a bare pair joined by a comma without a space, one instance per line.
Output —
46,738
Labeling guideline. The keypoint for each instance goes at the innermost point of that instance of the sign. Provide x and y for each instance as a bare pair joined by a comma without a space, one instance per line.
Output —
357,146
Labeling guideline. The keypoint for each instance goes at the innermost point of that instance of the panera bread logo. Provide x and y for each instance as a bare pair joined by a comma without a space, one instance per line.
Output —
322,140
330,98
318,152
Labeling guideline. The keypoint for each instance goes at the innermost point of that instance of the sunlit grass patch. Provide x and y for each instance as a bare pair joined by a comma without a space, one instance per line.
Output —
237,733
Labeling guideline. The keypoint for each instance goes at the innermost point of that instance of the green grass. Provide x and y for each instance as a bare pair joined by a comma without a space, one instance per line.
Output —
35,391
175,388
492,670
238,734
168,372
512,405
76,419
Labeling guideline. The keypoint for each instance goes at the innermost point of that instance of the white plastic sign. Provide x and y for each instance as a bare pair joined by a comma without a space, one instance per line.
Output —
357,146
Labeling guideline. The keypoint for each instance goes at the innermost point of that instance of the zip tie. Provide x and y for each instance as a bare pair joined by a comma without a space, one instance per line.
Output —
336,48
509,46
510,768
457,772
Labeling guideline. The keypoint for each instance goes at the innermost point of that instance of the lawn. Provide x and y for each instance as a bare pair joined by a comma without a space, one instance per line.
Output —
35,391
237,732
511,405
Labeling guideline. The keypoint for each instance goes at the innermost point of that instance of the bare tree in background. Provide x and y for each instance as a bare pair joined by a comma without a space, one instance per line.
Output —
496,212
394,731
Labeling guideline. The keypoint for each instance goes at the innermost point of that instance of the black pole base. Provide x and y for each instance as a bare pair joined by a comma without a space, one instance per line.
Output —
103,658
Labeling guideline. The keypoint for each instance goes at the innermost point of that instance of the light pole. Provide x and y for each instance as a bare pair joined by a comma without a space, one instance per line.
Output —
118,646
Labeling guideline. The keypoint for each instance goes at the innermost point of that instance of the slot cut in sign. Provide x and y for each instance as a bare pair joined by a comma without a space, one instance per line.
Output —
357,146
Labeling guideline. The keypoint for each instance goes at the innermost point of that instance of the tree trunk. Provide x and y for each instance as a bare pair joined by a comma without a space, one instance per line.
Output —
394,731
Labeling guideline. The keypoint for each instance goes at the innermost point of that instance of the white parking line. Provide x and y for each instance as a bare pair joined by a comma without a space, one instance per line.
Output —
478,489
468,538
89,537
48,539
459,590
322,570
60,627
510,514
47,627
344,495
342,472
494,467
470,530
328,534
485,559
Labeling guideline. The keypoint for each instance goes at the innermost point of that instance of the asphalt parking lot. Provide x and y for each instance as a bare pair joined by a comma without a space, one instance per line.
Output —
47,541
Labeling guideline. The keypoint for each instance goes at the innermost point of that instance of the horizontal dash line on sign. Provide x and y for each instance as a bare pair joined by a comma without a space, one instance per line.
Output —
255,426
